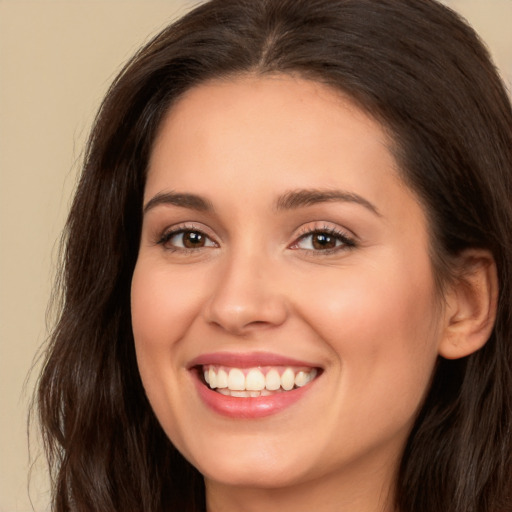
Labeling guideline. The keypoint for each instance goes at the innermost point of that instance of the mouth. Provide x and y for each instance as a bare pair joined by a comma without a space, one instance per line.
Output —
251,385
254,382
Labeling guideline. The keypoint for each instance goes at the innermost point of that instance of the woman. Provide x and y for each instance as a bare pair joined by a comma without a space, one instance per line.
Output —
287,279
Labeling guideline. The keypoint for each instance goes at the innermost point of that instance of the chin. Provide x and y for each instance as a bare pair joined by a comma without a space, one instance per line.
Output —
245,475
251,468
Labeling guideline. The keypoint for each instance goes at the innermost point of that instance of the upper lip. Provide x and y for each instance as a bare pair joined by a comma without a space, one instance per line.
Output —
247,360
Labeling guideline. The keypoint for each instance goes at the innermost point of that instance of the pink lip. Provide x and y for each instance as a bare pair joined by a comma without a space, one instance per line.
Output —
246,408
249,360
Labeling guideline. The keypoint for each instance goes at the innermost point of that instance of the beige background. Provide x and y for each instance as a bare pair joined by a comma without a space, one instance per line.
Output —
56,61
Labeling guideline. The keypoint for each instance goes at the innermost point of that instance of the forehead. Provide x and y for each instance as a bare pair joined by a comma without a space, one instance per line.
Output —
267,101
272,124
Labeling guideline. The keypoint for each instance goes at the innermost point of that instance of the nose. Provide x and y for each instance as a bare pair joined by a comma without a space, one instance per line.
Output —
247,296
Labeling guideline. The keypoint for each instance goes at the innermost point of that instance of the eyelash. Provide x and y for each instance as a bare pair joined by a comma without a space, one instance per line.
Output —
347,242
168,235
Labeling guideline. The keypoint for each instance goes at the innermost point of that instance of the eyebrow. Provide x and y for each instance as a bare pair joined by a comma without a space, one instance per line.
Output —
289,201
308,197
191,201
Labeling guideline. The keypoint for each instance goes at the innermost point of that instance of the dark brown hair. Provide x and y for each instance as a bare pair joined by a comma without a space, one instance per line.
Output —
411,64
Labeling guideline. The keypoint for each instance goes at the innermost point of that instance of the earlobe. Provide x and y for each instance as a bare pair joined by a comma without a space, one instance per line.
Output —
471,304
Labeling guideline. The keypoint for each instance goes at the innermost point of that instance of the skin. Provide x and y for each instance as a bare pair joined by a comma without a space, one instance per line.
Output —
367,313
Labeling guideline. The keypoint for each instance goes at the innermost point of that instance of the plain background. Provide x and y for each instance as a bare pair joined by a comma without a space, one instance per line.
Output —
56,60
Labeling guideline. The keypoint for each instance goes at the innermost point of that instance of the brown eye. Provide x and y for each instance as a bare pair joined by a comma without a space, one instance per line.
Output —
193,239
186,239
323,241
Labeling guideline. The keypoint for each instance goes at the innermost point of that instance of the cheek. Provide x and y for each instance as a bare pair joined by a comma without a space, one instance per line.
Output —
365,303
382,328
163,304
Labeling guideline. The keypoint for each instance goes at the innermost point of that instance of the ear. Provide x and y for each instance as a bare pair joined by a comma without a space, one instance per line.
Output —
471,303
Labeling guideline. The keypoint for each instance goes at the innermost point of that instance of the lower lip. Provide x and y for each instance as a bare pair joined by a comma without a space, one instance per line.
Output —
248,407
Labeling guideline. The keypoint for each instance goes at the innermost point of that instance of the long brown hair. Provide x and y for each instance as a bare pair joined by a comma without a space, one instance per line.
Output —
411,64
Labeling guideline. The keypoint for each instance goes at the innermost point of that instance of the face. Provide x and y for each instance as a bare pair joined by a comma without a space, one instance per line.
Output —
282,260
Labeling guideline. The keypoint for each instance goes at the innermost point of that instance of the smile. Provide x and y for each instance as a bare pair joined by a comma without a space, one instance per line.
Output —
252,385
256,382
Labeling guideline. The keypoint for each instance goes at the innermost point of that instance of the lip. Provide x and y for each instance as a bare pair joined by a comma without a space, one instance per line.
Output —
247,407
249,360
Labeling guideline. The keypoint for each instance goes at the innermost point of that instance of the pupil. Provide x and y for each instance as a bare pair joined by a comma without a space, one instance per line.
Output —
193,239
324,241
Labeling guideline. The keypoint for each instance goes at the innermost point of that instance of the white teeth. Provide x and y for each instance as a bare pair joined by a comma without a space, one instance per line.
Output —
222,379
288,379
212,376
272,380
301,379
244,394
240,394
254,382
236,380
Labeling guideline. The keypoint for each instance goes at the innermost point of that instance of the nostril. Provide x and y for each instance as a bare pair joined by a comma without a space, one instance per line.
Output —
241,300
242,319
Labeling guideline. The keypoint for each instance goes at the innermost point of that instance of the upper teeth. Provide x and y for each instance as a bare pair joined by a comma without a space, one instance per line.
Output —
256,379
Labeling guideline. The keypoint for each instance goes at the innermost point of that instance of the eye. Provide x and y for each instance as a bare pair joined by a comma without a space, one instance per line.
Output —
324,240
186,239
